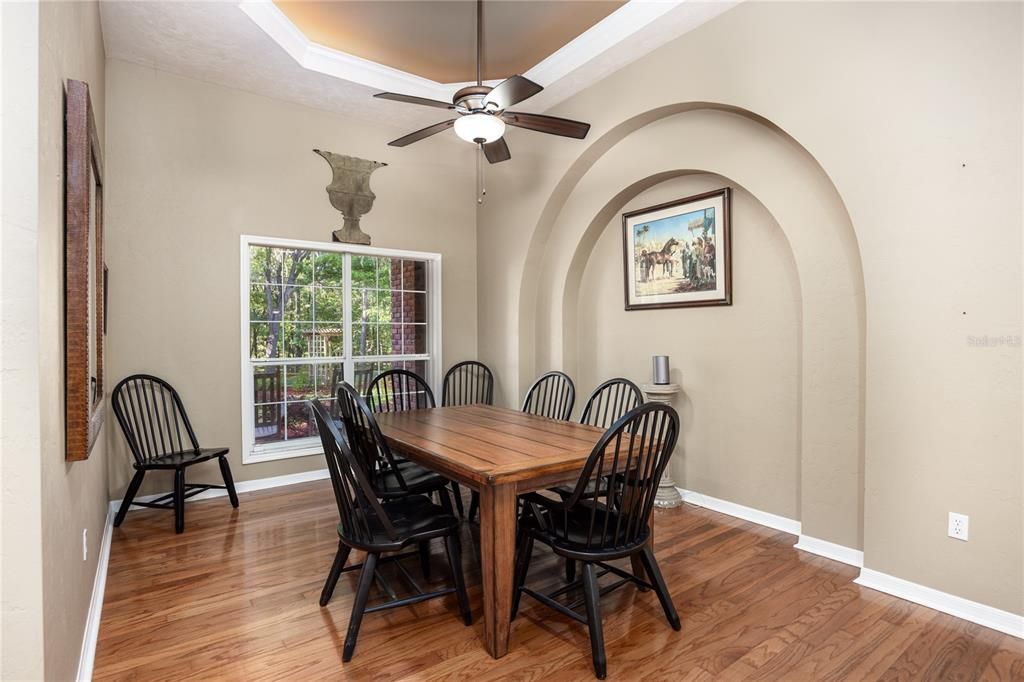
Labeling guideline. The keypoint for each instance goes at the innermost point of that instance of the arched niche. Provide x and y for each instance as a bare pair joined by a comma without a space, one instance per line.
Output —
787,180
739,366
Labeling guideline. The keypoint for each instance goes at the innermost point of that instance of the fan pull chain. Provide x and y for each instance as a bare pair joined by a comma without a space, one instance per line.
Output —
481,189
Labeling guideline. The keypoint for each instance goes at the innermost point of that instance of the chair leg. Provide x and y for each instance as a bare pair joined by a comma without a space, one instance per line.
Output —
474,505
340,557
229,482
457,491
129,495
425,559
359,606
179,500
570,570
453,546
593,599
524,548
446,501
654,573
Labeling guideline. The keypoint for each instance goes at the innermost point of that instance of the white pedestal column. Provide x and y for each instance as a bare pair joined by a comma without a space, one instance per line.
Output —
668,495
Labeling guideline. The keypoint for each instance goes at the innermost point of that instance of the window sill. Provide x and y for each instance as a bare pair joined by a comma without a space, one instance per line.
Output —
307,447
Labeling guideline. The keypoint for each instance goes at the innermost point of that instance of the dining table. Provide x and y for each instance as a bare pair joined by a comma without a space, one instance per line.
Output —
500,453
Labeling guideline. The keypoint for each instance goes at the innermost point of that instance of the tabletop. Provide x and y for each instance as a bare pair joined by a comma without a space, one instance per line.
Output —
489,445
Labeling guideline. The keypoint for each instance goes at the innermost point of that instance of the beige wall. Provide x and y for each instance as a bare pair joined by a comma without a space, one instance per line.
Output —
870,161
195,166
735,361
59,500
74,495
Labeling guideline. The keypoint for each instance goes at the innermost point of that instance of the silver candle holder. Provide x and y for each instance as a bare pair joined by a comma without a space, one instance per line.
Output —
661,370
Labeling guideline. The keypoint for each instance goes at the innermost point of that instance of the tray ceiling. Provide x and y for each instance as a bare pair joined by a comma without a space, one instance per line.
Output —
254,46
436,40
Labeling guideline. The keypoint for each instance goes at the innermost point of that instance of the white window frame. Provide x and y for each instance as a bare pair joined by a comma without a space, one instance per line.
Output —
251,451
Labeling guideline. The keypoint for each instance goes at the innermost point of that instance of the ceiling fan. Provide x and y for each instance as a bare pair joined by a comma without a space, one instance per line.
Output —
483,111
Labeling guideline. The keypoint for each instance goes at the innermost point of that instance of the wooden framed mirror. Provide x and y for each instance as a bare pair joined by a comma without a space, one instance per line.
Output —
84,280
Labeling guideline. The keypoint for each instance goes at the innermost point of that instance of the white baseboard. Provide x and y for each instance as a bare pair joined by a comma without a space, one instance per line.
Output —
757,516
830,550
988,616
240,487
87,656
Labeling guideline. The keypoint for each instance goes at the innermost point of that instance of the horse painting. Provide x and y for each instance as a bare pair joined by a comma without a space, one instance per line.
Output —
664,258
689,240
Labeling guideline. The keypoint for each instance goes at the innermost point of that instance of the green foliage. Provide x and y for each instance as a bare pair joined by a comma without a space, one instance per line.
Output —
297,307
297,310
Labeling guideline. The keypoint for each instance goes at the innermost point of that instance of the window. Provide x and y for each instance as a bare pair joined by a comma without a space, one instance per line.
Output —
315,314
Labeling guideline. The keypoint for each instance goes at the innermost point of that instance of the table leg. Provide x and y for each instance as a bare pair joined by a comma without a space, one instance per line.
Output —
497,555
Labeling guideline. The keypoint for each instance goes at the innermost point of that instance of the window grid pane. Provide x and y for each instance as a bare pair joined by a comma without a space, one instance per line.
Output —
297,312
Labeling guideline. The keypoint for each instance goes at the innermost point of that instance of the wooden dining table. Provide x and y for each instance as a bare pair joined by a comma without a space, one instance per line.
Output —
499,453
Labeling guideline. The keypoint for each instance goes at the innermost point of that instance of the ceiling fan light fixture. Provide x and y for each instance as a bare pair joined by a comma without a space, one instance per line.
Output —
479,128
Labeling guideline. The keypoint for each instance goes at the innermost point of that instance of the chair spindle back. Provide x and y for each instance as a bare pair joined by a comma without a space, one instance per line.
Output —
551,396
152,418
468,383
356,499
365,439
615,492
398,390
610,401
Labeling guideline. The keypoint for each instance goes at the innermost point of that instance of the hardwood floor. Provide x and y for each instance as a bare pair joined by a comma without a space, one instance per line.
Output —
235,597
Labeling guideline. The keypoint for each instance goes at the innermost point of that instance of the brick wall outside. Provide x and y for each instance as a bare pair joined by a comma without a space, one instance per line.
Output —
403,307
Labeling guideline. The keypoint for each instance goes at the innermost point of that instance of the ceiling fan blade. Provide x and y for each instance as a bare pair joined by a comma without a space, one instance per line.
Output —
497,151
511,91
412,99
552,125
422,133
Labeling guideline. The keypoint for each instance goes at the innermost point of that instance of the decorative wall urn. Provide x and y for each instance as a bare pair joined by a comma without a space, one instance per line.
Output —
350,193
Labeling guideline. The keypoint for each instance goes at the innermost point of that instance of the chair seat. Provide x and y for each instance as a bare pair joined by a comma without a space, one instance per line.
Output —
566,491
414,518
175,460
418,479
580,523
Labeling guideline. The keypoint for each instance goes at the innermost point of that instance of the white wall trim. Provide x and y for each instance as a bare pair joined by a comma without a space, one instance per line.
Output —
740,511
988,616
240,487
830,550
87,656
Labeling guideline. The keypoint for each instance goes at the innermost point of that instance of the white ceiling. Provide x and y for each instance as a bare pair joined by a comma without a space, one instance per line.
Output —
222,43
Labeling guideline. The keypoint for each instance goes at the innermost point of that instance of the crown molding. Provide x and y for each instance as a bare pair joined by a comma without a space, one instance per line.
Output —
618,27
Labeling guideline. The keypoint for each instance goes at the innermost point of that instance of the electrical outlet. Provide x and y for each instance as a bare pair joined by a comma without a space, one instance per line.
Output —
85,544
958,526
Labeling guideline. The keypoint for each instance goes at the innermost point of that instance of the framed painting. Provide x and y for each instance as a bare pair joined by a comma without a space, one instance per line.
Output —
678,254
84,280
